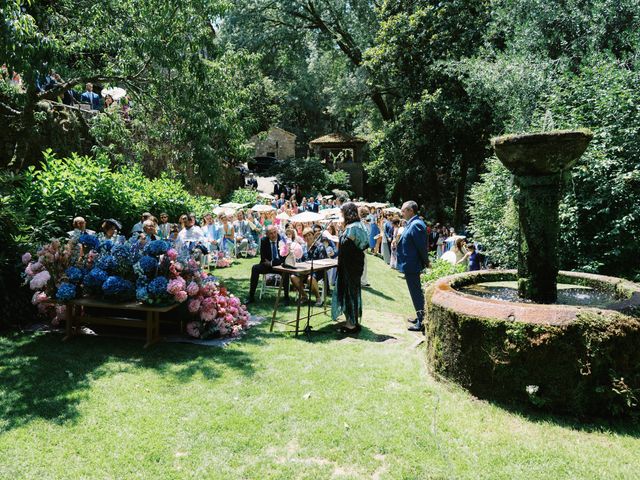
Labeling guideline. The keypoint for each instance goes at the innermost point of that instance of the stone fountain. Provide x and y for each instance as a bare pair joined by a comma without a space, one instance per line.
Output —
538,162
574,355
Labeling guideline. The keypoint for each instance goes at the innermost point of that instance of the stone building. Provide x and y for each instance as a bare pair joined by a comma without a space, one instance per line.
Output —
276,143
340,151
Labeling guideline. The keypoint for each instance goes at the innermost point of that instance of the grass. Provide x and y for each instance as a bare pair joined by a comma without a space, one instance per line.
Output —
272,406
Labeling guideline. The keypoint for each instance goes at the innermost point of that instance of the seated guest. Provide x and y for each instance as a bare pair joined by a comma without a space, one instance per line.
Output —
90,97
312,250
212,233
243,235
312,205
150,230
269,258
164,227
191,235
110,228
173,232
228,234
137,228
79,227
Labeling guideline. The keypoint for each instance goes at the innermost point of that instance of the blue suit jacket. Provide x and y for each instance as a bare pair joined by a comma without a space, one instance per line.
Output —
412,247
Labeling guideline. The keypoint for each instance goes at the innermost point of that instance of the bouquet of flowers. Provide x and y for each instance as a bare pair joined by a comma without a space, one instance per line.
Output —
291,250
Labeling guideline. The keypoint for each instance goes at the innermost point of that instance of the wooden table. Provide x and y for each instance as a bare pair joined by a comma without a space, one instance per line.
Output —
304,269
151,321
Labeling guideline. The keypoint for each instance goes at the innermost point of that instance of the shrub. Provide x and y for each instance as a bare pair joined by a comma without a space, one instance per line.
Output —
63,188
244,195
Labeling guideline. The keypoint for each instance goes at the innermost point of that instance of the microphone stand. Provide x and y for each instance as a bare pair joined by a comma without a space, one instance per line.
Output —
308,328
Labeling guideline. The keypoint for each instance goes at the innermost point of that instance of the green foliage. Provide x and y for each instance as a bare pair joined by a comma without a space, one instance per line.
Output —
63,188
311,175
244,195
494,214
439,268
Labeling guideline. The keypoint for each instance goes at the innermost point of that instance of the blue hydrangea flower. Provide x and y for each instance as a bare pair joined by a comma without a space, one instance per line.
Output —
66,291
108,263
158,286
156,247
74,274
121,251
148,265
90,241
142,295
116,286
106,246
95,278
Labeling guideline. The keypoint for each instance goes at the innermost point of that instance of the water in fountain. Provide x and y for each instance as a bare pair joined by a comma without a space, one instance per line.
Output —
568,294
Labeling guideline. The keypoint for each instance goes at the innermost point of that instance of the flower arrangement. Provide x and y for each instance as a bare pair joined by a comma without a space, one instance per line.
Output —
223,260
217,313
153,273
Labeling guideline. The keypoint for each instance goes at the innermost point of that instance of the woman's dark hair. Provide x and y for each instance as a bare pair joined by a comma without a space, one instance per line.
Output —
350,213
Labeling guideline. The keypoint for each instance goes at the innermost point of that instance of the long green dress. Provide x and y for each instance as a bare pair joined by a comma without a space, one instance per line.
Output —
347,296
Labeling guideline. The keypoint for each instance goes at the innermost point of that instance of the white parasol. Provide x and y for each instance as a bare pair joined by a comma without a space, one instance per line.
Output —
392,210
307,217
262,208
282,216
328,212
220,210
266,195
234,205
116,93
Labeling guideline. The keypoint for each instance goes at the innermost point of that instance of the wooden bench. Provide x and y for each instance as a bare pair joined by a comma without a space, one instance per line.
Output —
151,320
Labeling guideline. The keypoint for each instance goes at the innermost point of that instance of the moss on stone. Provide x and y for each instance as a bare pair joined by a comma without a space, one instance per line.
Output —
590,366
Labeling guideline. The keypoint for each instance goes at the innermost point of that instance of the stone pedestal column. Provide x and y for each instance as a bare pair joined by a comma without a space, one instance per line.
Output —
538,263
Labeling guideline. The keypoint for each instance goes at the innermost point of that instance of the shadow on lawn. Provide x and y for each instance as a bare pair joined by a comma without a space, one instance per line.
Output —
43,378
619,426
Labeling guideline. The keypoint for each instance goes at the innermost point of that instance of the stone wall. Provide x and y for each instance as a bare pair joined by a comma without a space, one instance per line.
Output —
278,143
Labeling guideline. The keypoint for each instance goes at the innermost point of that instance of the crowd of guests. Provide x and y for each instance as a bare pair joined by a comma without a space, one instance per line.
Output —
386,228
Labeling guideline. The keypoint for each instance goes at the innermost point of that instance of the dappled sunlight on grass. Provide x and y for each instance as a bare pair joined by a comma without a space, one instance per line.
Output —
271,406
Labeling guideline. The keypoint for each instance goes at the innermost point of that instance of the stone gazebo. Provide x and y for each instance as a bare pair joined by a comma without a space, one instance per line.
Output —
340,151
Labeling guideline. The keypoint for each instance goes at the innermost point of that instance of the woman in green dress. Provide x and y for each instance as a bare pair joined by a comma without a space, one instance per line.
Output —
347,296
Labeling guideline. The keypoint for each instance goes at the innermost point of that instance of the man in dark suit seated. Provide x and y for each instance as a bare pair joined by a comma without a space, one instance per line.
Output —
269,258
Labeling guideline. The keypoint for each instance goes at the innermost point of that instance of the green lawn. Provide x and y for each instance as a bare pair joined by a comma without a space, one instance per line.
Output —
272,406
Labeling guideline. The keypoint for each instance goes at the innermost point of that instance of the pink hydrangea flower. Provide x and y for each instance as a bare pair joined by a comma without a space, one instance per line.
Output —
193,289
228,318
172,254
39,281
208,304
181,296
194,305
39,297
208,315
193,330
176,285
26,258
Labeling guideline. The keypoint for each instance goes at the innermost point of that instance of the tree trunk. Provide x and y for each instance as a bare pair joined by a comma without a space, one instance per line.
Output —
458,216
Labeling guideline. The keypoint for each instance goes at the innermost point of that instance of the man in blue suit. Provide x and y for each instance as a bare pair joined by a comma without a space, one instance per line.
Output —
413,258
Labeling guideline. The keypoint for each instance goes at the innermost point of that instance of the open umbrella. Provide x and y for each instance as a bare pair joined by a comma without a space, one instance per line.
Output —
328,212
392,210
266,196
116,93
234,205
220,210
262,208
282,216
306,217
